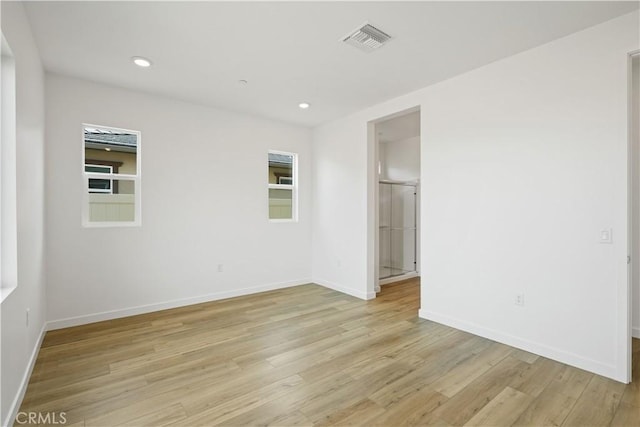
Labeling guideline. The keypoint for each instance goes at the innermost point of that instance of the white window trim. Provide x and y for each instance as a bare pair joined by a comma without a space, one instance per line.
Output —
293,187
8,173
137,222
97,190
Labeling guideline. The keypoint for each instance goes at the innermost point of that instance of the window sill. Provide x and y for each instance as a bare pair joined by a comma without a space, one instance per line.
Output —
282,220
5,292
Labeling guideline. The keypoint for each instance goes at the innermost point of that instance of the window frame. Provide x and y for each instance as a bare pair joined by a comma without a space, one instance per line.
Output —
113,177
293,187
8,172
98,190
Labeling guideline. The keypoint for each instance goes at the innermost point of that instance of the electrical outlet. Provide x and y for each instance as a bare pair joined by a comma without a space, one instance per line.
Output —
220,268
519,299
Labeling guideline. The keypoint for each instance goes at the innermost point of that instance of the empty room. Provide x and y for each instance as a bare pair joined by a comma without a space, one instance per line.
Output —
320,213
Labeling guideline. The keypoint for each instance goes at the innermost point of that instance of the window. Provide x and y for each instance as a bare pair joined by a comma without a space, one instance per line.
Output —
283,197
8,205
99,185
111,176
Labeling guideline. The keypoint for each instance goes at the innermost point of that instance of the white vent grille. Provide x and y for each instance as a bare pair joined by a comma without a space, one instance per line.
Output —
367,38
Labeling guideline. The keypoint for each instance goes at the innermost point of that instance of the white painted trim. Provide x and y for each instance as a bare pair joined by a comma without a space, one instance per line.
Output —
625,346
400,278
349,291
137,180
609,371
148,308
5,292
17,401
373,210
373,189
8,170
635,332
293,187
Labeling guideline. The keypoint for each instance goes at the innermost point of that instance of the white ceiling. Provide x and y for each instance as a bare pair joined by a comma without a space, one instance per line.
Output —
291,51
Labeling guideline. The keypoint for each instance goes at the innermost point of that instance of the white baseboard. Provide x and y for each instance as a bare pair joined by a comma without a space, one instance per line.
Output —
559,355
349,291
635,332
148,308
17,401
400,278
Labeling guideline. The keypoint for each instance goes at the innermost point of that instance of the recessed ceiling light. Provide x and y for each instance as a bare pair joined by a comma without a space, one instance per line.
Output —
304,105
141,62
107,149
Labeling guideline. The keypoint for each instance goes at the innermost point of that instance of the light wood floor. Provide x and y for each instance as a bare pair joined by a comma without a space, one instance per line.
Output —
311,356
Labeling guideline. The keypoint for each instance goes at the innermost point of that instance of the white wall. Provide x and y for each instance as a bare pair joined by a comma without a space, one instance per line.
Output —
635,141
400,159
204,203
524,161
340,225
20,342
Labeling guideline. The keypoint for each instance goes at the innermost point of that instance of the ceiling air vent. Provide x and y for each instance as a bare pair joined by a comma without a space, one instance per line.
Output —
367,38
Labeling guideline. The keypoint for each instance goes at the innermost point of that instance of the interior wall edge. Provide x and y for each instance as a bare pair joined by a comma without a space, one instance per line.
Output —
17,401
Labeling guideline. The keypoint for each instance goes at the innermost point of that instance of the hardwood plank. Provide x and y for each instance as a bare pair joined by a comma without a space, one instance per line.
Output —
63,401
554,403
535,377
626,415
146,409
598,403
415,409
570,382
268,414
467,403
439,359
218,413
525,356
157,418
362,412
462,375
504,409
292,402
548,409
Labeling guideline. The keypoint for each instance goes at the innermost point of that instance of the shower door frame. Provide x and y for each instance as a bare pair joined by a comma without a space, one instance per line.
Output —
382,280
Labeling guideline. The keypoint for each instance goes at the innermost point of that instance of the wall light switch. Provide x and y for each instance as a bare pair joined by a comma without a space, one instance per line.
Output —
606,235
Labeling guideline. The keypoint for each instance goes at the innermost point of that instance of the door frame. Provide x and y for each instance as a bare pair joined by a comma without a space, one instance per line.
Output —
633,194
373,220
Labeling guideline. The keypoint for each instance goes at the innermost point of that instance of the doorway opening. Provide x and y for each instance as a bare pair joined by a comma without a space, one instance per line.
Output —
397,203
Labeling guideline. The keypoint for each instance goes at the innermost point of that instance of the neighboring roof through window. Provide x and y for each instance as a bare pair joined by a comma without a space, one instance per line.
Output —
104,138
282,159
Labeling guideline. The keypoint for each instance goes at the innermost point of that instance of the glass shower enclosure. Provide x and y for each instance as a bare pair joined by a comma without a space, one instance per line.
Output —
398,227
